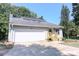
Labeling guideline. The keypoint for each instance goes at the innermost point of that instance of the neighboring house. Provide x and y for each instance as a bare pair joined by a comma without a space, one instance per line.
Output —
31,29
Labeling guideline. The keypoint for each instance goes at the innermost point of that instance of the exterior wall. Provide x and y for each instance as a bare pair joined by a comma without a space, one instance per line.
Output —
11,30
21,30
11,33
60,35
57,35
60,32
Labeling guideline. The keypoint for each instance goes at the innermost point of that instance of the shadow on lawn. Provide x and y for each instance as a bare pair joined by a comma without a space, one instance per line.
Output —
33,50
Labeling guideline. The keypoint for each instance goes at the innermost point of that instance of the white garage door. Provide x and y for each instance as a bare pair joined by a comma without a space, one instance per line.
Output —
24,35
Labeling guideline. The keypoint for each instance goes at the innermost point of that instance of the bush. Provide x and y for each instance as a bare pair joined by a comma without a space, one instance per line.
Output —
63,39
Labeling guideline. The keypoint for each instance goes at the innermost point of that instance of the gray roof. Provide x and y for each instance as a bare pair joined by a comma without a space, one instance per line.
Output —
36,22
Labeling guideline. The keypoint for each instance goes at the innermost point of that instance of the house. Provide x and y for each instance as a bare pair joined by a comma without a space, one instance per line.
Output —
23,29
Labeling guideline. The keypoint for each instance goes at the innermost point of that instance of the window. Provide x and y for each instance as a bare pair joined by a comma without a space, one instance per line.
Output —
50,30
57,30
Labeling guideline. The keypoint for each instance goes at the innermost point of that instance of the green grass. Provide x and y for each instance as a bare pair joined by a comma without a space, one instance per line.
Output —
71,38
72,44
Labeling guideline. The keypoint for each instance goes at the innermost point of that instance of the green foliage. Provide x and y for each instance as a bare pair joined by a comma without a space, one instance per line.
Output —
33,15
5,10
75,13
72,29
41,17
22,12
3,31
64,15
3,18
64,20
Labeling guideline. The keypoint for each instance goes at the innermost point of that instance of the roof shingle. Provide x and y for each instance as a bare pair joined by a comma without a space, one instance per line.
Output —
25,21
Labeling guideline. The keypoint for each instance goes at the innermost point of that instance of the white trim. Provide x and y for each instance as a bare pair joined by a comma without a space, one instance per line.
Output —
60,33
18,31
11,33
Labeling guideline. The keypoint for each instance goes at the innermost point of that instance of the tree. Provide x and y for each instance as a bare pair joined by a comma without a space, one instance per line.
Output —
4,14
3,26
64,20
75,13
4,20
5,10
41,18
34,15
72,29
22,12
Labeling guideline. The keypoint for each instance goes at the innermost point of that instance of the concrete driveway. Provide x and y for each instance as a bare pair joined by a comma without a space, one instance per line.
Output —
43,49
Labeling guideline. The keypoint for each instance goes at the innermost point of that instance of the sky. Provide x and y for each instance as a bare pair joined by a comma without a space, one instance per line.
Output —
50,11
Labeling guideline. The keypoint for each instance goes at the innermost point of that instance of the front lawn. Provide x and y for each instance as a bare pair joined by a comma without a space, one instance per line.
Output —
74,43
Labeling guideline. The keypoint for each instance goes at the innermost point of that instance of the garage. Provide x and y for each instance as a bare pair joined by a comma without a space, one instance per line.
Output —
25,34
24,29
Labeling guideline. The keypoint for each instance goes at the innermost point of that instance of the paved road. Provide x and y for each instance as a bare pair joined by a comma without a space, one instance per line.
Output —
41,50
